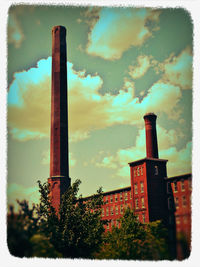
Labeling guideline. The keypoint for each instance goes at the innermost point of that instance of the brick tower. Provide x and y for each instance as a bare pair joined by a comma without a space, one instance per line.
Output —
151,136
59,167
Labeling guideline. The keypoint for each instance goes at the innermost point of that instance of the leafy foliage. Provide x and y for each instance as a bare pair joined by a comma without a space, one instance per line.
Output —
134,240
75,231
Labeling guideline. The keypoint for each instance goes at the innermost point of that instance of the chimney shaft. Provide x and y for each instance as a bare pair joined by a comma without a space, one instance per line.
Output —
59,118
151,136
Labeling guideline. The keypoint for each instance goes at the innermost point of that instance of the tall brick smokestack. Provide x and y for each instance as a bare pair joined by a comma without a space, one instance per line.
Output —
151,136
59,167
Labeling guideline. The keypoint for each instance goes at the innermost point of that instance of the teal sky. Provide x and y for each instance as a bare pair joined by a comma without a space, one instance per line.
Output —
122,63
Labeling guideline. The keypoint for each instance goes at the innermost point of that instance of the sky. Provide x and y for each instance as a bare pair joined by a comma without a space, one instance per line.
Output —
122,63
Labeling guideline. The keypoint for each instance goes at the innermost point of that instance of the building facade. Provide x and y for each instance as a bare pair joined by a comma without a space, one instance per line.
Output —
151,194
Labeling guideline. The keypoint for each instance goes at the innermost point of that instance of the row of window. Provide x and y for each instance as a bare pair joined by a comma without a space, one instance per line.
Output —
136,188
138,171
117,222
117,197
110,211
139,202
183,220
179,202
182,185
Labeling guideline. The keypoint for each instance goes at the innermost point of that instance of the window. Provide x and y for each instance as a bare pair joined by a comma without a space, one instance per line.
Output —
121,209
111,199
184,201
141,170
103,212
136,189
168,187
143,218
142,187
107,211
116,197
111,210
156,170
169,203
175,187
121,196
185,219
106,199
126,196
116,210
176,202
142,199
178,220
182,185
189,184
130,196
138,171
136,203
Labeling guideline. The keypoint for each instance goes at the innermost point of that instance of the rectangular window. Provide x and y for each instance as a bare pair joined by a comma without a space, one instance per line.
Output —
136,203
169,203
138,171
116,210
136,189
111,210
130,196
184,201
121,196
134,171
142,187
126,196
168,187
111,199
116,197
142,199
156,170
121,209
175,187
182,185
102,212
177,220
176,202
141,170
107,211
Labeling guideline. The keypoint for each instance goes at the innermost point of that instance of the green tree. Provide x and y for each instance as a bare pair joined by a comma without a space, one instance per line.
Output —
75,231
134,240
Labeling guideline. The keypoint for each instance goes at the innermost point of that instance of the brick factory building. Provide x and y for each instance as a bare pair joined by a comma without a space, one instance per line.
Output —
151,194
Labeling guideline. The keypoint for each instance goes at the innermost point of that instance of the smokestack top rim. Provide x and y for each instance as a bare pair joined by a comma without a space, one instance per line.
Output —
150,115
59,27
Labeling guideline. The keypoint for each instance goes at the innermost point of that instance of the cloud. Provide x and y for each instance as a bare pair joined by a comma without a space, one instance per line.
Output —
20,192
15,33
89,110
179,160
141,68
179,70
114,30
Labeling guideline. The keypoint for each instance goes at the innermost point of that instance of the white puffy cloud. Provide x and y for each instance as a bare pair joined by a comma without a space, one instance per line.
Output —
115,30
143,64
29,103
179,161
179,70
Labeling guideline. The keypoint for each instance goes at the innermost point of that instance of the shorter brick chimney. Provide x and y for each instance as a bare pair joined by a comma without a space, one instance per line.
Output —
151,136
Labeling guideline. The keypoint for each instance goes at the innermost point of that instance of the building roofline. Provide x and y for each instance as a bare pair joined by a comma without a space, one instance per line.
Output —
146,159
179,176
110,192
